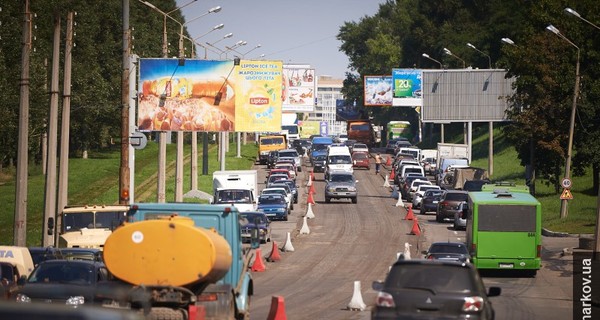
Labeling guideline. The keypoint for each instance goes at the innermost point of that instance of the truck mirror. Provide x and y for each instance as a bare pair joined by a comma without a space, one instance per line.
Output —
254,239
50,226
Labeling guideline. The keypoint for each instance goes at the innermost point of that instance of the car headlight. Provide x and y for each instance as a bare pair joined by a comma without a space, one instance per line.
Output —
351,189
75,301
331,189
280,210
22,298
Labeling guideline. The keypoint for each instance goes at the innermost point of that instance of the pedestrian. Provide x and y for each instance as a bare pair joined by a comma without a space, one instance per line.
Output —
377,162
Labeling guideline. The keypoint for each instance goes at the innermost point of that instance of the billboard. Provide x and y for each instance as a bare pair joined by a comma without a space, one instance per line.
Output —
309,128
299,88
378,90
209,95
406,87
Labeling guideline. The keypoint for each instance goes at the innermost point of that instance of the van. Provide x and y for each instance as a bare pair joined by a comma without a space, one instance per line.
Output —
415,152
15,263
412,169
338,159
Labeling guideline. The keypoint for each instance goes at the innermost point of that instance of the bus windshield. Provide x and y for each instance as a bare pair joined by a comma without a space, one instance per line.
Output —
517,218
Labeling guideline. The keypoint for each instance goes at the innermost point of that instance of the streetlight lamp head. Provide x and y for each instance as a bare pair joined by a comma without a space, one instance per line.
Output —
229,35
219,26
573,12
215,9
553,29
508,41
425,55
448,52
258,45
470,45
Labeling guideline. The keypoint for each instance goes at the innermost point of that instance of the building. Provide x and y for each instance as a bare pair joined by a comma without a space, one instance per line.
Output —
328,91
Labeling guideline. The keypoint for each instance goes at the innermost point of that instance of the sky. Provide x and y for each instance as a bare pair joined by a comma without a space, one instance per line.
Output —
295,32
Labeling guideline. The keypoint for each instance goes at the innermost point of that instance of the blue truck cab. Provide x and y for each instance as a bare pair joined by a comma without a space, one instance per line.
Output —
319,144
237,284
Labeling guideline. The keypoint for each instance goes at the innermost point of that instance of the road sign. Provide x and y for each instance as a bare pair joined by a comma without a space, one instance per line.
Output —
566,183
138,140
566,194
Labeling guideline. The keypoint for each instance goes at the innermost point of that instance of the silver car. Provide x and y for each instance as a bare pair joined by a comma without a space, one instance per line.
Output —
340,185
292,153
460,217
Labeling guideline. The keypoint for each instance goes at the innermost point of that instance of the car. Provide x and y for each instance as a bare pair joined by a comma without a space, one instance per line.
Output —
343,137
405,187
272,158
301,145
449,204
443,167
361,160
61,281
294,154
256,220
360,147
319,161
288,189
390,147
448,251
433,289
283,190
289,167
39,254
430,200
291,184
350,144
414,186
276,177
274,206
429,164
461,216
402,144
341,185
418,195
283,171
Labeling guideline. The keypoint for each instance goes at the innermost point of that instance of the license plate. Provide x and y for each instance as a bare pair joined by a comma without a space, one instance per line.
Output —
506,265
435,201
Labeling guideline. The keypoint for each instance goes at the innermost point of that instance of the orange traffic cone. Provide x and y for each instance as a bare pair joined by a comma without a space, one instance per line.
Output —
409,215
274,255
258,265
277,311
312,175
311,189
389,161
392,174
416,230
310,200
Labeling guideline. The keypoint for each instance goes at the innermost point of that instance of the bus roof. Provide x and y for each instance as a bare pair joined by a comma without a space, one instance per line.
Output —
502,197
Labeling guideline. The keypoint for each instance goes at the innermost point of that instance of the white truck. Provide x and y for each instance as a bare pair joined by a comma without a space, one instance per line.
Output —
289,123
237,187
450,151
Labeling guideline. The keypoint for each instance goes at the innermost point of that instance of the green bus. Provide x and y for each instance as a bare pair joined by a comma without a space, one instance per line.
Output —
397,129
503,185
504,230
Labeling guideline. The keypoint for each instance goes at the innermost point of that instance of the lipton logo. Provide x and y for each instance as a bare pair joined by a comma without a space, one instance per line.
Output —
259,100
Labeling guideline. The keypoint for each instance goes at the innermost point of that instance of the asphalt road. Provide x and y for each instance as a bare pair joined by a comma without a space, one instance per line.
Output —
358,242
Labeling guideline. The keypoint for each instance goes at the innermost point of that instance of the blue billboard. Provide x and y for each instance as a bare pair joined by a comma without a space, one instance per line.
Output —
406,87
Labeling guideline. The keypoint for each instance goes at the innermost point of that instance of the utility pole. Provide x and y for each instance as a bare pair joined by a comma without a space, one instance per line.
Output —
50,191
20,227
124,167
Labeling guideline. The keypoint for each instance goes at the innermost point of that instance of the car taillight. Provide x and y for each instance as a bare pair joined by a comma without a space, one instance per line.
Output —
430,257
539,251
473,304
473,249
385,299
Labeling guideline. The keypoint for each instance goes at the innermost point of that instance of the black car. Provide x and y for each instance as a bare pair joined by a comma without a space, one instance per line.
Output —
430,200
433,289
319,161
66,282
474,185
272,158
301,145
448,251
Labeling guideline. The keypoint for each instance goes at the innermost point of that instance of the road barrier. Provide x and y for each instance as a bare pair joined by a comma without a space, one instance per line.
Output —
357,303
287,246
274,255
310,199
416,229
309,212
277,311
386,183
258,265
409,215
304,229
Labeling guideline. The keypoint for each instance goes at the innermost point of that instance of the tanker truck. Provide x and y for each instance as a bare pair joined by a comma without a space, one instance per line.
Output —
181,261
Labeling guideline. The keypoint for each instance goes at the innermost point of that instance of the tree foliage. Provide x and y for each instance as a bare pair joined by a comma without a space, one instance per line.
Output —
542,63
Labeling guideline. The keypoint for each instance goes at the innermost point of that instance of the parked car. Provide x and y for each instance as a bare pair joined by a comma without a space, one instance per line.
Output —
418,195
430,200
274,206
256,220
449,204
433,289
361,160
448,251
461,216
340,185
60,281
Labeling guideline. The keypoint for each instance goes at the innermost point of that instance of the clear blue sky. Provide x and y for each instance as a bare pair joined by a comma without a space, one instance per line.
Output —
295,32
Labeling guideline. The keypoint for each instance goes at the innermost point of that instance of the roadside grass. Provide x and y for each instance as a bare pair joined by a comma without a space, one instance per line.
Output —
96,181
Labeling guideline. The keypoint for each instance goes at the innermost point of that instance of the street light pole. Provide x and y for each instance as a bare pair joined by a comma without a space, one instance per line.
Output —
564,203
448,52
483,53
432,59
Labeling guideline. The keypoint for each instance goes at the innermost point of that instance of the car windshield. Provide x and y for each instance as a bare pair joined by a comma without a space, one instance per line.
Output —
271,200
276,191
433,193
340,159
291,154
448,248
341,178
433,278
360,146
233,196
63,273
360,156
319,158
456,196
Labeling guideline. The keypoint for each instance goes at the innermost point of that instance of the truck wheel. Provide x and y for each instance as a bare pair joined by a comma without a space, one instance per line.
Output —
354,200
166,314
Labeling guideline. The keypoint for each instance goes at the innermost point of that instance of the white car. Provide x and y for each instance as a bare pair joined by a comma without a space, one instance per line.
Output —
418,196
289,197
292,153
360,147
414,185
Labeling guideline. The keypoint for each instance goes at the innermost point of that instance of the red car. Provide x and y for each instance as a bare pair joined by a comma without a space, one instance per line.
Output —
361,160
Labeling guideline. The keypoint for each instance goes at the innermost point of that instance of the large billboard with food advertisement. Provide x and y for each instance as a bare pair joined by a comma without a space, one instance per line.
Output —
299,87
378,90
209,95
406,85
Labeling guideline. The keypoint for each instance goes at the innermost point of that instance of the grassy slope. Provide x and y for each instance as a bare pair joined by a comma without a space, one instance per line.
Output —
95,181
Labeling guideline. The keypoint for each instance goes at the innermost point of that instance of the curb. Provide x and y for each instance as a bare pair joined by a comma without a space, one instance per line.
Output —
550,233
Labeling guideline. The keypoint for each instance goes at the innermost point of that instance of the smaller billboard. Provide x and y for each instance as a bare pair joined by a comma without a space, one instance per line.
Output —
309,128
299,88
378,90
406,86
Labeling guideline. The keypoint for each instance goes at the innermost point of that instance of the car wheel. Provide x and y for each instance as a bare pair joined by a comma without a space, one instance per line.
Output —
438,218
292,206
354,200
455,226
285,218
327,200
